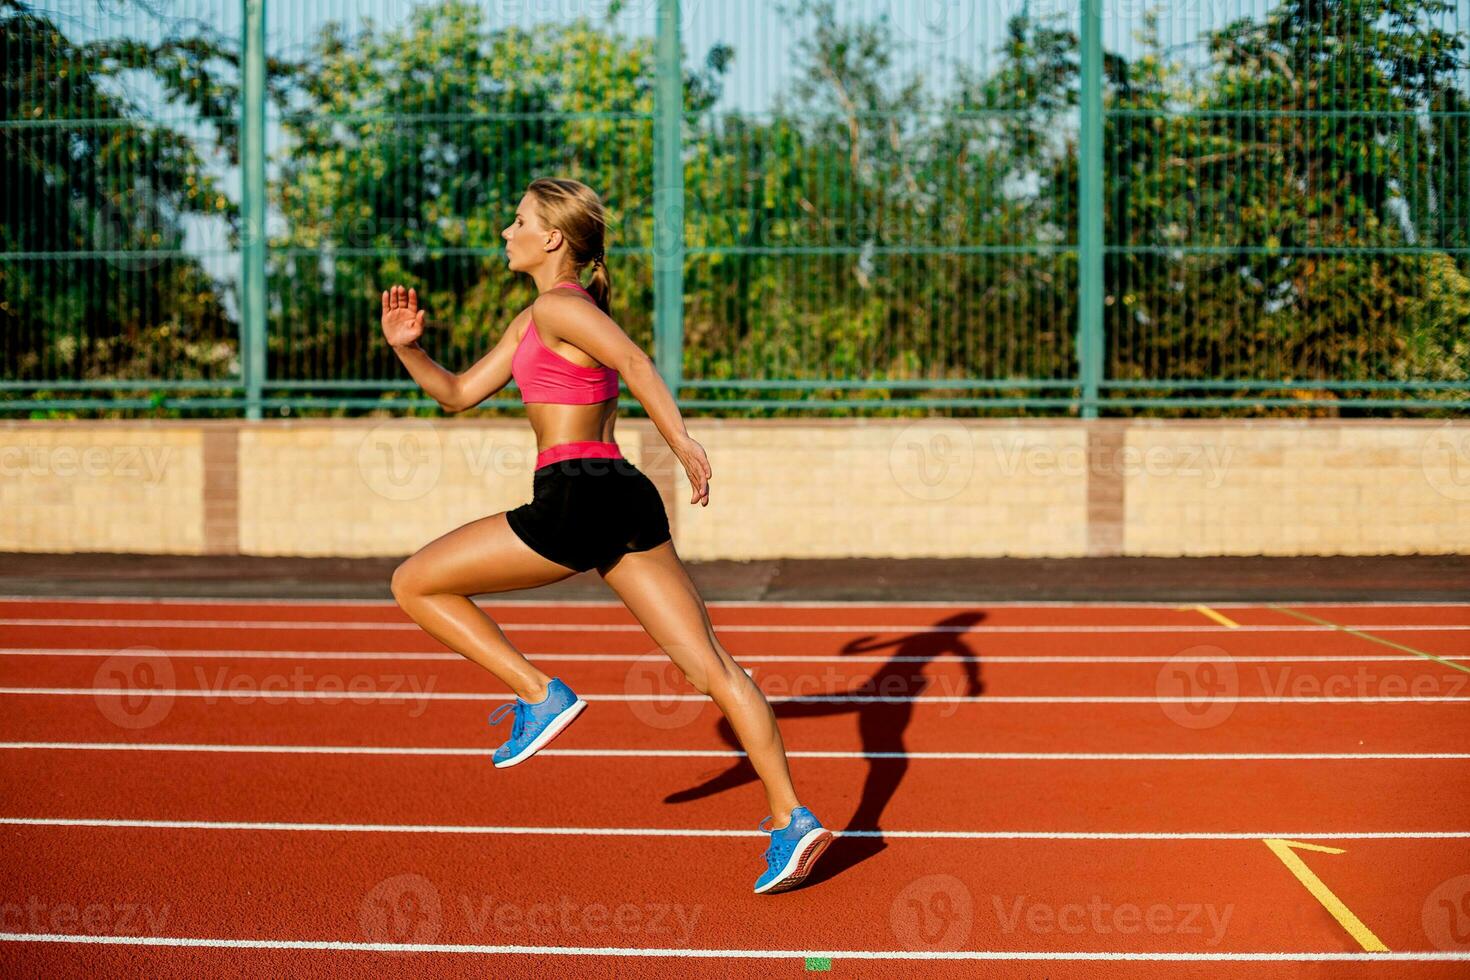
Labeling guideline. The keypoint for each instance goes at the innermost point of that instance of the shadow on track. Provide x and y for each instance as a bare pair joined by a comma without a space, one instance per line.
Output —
881,727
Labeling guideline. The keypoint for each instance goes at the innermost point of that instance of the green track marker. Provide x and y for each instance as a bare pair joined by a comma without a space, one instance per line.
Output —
818,964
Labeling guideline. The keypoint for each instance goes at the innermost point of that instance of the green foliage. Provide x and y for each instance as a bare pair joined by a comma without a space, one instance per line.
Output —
1281,207
86,177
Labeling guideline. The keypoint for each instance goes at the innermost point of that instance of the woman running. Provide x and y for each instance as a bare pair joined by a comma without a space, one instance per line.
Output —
591,508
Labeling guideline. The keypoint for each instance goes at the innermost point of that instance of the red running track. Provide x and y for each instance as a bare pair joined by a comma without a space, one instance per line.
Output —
1064,791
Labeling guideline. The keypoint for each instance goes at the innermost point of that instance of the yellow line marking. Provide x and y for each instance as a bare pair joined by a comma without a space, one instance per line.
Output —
1212,614
1344,916
1368,636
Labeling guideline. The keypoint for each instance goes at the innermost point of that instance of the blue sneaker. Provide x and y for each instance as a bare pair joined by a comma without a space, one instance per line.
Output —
794,849
535,724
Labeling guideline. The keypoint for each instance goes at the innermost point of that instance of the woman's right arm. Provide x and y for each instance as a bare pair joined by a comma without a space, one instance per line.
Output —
403,325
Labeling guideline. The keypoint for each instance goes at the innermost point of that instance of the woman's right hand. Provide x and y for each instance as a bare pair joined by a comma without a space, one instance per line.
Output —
696,465
403,321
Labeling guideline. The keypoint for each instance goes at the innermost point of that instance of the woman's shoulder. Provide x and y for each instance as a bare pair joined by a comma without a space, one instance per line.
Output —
555,306
559,302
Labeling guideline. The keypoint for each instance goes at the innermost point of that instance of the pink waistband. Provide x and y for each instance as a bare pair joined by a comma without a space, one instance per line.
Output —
578,450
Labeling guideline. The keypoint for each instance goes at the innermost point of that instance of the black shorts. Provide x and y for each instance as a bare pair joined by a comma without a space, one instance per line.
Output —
587,513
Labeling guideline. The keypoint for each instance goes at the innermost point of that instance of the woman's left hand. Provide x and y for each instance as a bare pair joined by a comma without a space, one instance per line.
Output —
696,465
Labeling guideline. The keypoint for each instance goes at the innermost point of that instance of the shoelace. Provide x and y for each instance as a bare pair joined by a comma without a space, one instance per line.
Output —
518,723
776,851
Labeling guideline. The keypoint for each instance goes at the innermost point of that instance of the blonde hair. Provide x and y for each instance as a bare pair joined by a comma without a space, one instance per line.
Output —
575,210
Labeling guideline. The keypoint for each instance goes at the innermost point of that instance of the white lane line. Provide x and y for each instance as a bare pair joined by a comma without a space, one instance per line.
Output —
682,952
907,628
629,658
835,604
337,694
449,750
555,831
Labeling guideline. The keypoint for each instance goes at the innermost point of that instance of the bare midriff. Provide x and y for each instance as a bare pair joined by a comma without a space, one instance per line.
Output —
555,424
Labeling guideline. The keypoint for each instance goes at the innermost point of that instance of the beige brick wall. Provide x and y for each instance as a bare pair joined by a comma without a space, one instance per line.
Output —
1293,488
782,488
886,488
380,488
86,486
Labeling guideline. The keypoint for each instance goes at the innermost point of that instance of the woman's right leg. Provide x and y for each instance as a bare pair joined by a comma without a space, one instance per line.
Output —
655,587
434,585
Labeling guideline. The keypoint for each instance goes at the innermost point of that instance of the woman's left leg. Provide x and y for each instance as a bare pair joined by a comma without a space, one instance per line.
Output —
655,587
434,585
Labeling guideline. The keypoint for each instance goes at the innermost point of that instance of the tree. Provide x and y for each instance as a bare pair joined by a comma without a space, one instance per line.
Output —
97,207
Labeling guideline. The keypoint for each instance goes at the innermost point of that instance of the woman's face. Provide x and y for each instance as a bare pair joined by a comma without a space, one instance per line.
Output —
526,241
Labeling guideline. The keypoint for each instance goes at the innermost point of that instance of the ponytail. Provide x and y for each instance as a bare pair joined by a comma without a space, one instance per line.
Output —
600,285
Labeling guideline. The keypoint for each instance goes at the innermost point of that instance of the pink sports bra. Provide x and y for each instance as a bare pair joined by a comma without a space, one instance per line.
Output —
543,375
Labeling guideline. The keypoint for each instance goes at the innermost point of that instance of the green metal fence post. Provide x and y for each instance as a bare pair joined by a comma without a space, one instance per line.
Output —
252,206
668,201
1090,350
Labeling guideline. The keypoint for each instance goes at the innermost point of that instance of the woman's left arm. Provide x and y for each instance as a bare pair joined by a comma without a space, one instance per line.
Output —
584,325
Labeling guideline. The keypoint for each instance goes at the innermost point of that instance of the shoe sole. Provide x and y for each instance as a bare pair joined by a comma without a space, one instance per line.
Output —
551,731
799,865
